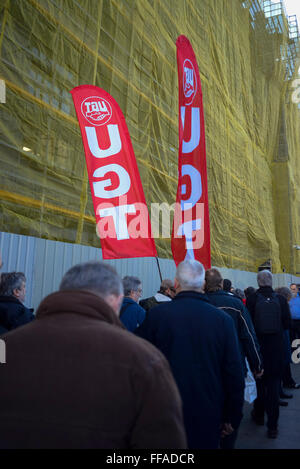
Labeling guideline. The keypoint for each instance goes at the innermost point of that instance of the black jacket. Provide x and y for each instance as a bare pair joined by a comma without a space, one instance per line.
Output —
201,345
272,346
248,342
13,314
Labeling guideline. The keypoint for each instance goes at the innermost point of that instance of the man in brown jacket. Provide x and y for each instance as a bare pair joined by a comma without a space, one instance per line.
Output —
74,378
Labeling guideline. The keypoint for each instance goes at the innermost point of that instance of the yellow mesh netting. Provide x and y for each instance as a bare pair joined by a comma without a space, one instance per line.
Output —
128,48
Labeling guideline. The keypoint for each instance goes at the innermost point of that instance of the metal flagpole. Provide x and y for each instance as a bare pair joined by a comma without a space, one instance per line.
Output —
158,268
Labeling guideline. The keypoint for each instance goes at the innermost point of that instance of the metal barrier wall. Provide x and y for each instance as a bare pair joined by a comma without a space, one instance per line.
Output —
44,262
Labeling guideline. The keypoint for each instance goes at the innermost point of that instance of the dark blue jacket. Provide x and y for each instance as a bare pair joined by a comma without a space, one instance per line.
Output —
248,342
132,314
201,345
13,314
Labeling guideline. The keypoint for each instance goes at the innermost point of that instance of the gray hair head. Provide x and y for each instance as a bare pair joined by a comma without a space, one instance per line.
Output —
213,280
131,284
190,275
165,285
11,281
238,292
264,278
284,291
94,276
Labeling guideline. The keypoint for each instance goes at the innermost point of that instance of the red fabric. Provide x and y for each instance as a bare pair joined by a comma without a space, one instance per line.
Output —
192,172
120,208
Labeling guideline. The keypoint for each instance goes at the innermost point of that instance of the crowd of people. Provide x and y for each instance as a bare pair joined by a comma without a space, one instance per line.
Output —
97,367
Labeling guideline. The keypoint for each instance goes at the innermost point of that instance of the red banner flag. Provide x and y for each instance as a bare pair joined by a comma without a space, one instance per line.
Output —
121,212
191,233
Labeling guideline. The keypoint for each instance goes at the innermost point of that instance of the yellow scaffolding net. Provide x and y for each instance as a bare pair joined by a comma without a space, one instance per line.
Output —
128,48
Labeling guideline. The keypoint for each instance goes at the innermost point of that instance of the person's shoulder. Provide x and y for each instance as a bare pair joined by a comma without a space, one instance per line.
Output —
143,303
134,349
160,310
130,305
236,302
12,304
10,300
215,311
140,309
252,298
282,300
223,299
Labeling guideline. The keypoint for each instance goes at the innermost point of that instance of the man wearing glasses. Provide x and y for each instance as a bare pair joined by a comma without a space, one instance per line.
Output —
132,314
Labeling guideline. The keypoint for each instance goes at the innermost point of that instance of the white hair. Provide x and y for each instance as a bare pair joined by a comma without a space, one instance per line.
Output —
190,275
264,278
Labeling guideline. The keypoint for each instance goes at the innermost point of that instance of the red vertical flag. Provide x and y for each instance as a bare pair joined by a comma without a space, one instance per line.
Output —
191,232
120,208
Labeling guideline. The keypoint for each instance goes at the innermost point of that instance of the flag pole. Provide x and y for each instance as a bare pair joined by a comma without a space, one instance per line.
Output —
159,269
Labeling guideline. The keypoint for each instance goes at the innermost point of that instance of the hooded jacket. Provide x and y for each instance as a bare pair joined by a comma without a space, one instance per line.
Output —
75,378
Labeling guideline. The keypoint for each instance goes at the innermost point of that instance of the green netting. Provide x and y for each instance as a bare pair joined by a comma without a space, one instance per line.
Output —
128,48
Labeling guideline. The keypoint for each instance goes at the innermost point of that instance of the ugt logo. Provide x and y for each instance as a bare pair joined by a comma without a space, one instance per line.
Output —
189,82
97,111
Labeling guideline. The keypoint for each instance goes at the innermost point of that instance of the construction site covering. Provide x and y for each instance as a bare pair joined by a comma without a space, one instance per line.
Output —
247,53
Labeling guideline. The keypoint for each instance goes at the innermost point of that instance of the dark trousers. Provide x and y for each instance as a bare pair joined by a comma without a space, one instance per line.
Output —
287,379
268,389
295,329
229,441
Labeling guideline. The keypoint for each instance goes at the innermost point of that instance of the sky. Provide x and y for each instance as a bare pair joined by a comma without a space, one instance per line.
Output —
293,8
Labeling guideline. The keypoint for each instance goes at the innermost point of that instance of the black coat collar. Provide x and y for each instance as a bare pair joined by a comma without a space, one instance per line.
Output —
10,299
192,294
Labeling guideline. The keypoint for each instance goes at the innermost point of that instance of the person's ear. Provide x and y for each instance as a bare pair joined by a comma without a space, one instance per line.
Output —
115,302
16,292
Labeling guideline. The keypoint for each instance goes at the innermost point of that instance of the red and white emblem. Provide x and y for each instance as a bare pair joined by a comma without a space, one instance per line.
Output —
97,111
189,82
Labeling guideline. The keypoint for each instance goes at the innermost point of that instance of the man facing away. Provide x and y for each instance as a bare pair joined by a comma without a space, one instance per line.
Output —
75,378
233,306
248,343
13,313
271,316
201,345
165,293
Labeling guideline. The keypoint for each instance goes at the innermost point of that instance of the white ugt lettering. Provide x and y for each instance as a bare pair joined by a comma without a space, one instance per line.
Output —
188,147
100,186
196,186
186,230
115,141
119,217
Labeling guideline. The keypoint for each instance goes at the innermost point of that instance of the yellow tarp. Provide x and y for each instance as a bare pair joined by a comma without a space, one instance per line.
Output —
128,48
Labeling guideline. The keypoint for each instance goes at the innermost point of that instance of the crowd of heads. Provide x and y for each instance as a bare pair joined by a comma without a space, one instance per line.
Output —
104,281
